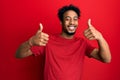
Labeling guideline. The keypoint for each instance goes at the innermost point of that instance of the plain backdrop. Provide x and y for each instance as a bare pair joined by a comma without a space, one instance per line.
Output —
19,20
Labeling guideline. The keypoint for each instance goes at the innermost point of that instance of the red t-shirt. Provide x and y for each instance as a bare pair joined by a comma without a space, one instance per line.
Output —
63,57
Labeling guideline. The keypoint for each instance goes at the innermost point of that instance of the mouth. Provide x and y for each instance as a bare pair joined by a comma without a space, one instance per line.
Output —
71,28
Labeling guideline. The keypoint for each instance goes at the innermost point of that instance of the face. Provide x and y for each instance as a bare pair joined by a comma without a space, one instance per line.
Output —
70,22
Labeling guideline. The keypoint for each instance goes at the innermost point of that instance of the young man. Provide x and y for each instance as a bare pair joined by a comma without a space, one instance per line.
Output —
64,53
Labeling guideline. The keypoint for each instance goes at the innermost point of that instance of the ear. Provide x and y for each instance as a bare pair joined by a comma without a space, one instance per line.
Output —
60,22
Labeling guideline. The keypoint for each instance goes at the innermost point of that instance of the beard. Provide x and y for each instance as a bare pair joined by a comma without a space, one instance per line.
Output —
69,33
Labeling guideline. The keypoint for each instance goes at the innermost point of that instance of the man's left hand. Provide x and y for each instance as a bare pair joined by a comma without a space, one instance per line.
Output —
91,33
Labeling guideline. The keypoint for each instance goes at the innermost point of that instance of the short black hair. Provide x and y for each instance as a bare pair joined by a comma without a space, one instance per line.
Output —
62,10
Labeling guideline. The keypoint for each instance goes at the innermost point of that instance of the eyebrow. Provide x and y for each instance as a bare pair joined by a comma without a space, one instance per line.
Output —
70,17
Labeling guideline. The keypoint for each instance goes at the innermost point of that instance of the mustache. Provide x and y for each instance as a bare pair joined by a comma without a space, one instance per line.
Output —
72,26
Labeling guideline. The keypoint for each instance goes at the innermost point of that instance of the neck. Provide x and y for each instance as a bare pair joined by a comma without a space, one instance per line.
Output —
64,35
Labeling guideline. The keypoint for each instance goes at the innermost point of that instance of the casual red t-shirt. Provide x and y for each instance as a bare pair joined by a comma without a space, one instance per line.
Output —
63,57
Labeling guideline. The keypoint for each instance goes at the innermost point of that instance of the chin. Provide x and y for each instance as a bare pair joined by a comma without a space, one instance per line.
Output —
71,33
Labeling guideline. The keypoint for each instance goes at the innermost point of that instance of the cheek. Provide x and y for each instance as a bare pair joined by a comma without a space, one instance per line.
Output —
66,23
76,22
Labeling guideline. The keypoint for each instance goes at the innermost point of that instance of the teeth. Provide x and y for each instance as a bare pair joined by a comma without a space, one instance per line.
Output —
71,27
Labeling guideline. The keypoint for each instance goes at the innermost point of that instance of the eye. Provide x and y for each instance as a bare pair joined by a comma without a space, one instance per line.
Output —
67,19
75,18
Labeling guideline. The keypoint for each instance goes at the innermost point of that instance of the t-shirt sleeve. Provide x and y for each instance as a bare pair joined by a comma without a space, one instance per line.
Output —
38,50
89,49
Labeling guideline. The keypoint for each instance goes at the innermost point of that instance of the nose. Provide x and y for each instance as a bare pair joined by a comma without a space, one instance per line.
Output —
71,21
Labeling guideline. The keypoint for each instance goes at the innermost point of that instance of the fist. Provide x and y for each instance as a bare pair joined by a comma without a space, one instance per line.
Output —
40,39
91,33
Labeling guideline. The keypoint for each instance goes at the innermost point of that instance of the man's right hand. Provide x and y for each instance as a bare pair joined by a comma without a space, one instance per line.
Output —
40,39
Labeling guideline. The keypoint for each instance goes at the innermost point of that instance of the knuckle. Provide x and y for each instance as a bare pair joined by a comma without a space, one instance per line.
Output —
41,40
40,43
84,34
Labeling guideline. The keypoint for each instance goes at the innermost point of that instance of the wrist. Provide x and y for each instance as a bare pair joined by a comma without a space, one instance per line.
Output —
101,39
30,42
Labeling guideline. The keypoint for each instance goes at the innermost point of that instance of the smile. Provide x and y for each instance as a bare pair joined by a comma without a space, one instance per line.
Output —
71,28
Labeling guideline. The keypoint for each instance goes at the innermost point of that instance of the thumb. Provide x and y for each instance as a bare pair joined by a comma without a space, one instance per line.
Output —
89,23
41,27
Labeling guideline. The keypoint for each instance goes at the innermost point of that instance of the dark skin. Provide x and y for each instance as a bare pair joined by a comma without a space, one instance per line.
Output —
69,26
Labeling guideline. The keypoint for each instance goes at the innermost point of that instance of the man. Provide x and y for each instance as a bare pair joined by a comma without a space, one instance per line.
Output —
64,53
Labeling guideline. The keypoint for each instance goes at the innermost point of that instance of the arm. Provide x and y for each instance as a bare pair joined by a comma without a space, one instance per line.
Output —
40,39
103,53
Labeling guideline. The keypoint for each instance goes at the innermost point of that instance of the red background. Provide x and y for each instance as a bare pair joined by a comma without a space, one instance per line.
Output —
19,19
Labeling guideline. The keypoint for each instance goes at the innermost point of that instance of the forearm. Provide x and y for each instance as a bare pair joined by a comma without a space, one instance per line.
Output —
24,50
104,51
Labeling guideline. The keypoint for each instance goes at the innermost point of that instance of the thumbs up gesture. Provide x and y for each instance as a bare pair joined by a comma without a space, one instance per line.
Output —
91,33
40,39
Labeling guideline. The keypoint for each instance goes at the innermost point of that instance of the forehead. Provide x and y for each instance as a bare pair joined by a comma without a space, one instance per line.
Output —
70,13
